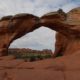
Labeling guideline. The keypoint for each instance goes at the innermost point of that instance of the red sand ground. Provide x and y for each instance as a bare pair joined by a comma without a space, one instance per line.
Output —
61,68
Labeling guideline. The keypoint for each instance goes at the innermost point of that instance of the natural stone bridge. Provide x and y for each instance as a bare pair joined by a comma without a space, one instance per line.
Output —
66,67
67,26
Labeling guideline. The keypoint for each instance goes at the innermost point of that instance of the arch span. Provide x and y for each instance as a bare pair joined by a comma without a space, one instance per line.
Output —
39,39
12,28
68,27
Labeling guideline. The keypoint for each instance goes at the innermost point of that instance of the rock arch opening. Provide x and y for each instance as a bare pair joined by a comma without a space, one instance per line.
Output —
14,27
39,39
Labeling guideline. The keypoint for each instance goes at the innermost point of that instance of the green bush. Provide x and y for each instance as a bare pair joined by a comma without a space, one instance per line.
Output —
40,57
18,56
47,56
31,56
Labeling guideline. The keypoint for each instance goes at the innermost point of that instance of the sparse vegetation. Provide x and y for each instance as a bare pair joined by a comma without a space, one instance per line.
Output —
30,56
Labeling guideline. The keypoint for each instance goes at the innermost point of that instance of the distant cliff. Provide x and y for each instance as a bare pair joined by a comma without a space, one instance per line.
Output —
24,50
29,54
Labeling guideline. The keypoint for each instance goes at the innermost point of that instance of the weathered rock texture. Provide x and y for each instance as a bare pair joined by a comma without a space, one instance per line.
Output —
28,50
69,26
15,27
61,68
61,40
60,44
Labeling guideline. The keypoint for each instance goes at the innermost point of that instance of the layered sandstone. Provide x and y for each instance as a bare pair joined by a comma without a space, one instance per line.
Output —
11,28
68,28
61,68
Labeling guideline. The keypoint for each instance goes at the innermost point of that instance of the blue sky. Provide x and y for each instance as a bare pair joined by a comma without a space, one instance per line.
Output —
43,37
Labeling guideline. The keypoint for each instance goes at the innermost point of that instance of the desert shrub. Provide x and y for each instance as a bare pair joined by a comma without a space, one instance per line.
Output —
32,58
40,57
18,56
47,56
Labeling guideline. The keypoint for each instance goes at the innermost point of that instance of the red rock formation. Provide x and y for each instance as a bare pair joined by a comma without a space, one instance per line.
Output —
61,40
60,44
27,51
69,26
4,38
15,27
62,68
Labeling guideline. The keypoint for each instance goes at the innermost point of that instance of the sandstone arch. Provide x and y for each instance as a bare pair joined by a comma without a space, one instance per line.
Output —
15,27
69,26
60,38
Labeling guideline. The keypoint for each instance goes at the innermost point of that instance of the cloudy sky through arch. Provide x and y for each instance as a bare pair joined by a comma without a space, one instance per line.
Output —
43,37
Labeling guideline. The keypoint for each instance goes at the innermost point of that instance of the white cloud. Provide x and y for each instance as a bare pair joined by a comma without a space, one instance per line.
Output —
69,6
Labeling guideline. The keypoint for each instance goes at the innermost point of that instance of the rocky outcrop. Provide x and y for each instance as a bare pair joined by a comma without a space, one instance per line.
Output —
31,51
12,28
4,37
60,44
61,40
61,68
68,26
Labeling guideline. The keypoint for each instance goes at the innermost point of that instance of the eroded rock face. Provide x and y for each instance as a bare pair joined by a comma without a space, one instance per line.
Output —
72,19
68,42
15,27
4,37
62,68
60,44
66,24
